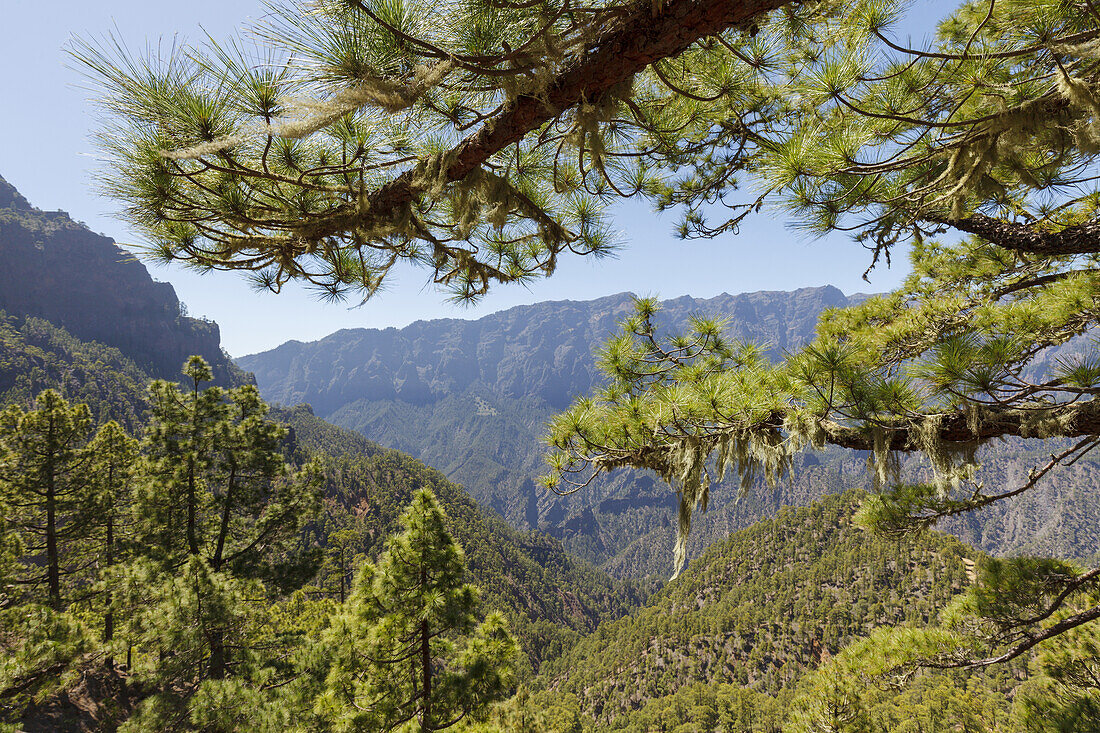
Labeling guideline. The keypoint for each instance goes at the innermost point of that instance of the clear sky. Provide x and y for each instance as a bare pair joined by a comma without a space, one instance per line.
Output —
46,153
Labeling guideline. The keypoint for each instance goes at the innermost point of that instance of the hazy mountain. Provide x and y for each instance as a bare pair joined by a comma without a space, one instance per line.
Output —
471,398
58,270
542,351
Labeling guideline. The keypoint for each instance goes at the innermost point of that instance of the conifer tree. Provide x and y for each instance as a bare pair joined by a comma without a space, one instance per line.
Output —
113,462
1064,697
216,486
218,516
49,513
45,481
406,652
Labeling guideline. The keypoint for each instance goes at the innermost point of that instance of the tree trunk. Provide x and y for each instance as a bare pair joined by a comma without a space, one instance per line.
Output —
217,654
108,560
426,672
192,538
425,656
223,530
53,561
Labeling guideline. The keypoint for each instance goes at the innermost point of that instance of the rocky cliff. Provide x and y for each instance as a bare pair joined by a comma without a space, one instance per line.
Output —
542,351
57,269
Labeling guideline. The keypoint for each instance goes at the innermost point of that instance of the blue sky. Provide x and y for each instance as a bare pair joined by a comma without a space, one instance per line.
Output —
46,153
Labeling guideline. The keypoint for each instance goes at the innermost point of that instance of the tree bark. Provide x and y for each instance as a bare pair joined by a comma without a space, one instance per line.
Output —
217,654
1073,421
223,530
53,560
108,559
426,673
1026,239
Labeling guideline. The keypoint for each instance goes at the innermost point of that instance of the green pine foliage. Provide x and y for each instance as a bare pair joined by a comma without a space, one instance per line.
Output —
219,515
113,468
1063,696
46,484
406,647
182,559
548,597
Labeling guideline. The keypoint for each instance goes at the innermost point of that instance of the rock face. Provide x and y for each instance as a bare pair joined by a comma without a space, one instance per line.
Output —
57,269
542,352
471,398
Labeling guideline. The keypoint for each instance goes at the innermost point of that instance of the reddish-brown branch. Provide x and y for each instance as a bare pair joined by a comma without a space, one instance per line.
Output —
1076,239
628,45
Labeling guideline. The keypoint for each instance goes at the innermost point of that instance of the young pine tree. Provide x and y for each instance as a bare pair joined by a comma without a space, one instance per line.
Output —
406,651
218,517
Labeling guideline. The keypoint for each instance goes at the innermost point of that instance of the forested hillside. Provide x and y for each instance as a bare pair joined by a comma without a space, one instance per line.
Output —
36,355
732,639
880,512
549,597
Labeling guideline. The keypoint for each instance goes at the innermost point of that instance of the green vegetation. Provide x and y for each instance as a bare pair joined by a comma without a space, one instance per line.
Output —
186,555
482,140
991,133
391,655
548,597
760,634
36,355
758,610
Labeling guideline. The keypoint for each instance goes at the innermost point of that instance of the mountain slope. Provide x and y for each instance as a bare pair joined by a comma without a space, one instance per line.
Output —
58,270
542,351
470,398
549,597
757,611
36,355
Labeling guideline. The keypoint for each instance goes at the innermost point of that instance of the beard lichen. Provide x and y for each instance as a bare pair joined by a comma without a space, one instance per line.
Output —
750,453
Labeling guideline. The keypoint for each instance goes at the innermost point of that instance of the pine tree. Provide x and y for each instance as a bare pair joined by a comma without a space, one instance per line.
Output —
50,512
407,649
216,486
113,463
44,479
218,518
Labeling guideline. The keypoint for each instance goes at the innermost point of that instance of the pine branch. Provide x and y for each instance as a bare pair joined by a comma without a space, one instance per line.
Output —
1060,421
625,47
1025,238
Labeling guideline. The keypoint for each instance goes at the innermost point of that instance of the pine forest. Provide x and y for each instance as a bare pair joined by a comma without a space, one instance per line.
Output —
551,366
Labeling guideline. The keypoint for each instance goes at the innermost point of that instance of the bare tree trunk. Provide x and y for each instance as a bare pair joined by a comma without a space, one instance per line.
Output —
53,560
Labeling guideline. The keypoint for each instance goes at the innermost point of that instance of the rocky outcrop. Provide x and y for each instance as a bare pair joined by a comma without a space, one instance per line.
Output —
57,269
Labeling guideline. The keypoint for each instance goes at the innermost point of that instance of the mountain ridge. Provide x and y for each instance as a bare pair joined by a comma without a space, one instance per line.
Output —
441,371
108,296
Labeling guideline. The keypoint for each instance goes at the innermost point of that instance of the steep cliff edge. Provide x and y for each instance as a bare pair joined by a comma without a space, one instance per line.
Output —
57,269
